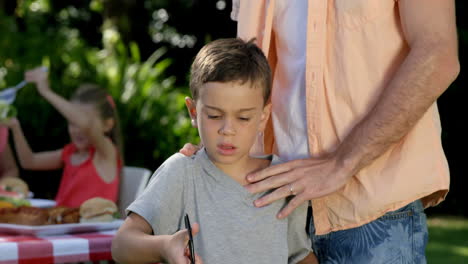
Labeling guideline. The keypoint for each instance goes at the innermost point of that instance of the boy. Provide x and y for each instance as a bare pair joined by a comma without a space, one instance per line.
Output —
230,84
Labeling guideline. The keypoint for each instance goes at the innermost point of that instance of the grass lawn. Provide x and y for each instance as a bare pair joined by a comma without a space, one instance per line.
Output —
448,240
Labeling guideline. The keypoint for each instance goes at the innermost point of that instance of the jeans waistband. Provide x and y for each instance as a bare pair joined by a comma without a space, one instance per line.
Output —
416,207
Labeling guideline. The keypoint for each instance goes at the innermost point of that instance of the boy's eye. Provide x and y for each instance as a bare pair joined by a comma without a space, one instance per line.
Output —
213,116
244,118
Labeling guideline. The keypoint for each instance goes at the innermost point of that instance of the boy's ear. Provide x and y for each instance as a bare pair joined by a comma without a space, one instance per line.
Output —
191,107
265,116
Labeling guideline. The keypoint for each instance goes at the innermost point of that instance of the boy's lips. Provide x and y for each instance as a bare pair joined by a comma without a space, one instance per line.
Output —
226,149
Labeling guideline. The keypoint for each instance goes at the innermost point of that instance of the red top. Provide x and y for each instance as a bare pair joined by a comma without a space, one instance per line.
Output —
82,182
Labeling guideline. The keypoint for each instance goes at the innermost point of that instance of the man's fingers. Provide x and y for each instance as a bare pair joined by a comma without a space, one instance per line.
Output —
279,193
189,149
268,172
292,205
269,183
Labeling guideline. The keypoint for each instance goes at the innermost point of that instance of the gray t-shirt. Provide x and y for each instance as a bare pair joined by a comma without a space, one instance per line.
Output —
232,229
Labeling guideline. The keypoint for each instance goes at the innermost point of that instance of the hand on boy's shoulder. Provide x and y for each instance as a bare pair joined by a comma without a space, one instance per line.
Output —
190,149
180,157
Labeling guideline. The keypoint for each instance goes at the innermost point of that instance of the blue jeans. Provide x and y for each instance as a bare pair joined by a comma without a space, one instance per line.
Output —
396,237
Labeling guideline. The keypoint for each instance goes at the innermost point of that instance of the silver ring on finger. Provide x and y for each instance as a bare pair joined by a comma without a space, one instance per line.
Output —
291,189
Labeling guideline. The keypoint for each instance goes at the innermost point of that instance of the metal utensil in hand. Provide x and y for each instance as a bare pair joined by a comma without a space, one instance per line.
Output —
8,95
190,244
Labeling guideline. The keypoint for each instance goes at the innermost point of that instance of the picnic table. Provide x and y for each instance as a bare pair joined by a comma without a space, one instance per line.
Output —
40,249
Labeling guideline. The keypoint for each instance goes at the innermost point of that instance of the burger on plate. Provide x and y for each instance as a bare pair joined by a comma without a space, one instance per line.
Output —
97,210
15,184
10,199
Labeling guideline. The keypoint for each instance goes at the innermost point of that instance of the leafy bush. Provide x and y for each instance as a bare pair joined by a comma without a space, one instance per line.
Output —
152,110
154,122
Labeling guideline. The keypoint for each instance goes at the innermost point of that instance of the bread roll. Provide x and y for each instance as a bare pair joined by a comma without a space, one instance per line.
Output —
97,210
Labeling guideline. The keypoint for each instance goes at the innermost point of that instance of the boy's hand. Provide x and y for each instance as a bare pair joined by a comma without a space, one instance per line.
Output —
39,76
177,247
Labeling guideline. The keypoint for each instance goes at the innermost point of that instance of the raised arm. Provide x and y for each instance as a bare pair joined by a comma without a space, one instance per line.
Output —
87,122
46,160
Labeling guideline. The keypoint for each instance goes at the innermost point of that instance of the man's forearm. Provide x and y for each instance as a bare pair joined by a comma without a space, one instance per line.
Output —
425,74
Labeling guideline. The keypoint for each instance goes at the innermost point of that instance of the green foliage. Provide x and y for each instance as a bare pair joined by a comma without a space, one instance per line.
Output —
154,122
153,115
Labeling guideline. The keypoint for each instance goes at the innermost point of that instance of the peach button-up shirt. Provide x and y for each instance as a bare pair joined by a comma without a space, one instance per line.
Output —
353,49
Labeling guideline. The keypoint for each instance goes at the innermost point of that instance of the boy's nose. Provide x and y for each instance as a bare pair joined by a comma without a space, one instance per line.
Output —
227,129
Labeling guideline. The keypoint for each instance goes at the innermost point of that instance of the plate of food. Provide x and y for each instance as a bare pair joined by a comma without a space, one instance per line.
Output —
96,214
59,229
14,192
41,203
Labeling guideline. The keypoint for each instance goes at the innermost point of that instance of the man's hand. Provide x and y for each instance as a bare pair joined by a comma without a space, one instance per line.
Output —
306,179
189,149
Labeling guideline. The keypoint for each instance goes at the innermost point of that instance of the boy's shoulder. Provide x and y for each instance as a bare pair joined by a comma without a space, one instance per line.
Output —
179,164
178,160
174,170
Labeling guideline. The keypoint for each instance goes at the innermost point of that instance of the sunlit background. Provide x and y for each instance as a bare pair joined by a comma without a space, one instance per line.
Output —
141,52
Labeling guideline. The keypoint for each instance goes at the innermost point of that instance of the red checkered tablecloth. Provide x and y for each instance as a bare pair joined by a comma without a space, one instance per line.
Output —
24,249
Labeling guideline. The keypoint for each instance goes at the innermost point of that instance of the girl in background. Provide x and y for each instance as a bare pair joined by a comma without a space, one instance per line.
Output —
92,161
8,167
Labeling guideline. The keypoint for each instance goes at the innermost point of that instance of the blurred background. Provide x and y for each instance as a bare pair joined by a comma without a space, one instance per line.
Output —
141,52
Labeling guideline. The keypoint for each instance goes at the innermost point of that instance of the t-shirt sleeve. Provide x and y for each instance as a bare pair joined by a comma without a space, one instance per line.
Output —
299,244
162,202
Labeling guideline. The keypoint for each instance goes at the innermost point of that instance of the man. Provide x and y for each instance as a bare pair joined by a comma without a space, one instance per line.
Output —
354,113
